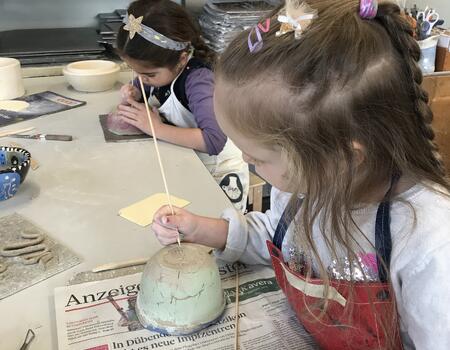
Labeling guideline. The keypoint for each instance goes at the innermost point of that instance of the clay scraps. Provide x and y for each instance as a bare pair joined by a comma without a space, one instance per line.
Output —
32,250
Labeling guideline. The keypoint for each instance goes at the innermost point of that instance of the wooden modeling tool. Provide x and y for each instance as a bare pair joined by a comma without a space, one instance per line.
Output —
14,132
48,137
236,321
119,265
161,167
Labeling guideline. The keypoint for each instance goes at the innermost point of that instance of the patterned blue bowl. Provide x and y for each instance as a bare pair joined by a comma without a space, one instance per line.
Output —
14,166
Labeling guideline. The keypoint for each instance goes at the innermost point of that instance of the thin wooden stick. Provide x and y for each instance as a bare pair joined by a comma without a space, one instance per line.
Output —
118,265
236,321
13,132
161,167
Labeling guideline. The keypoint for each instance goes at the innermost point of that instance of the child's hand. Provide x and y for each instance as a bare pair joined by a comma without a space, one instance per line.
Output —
136,115
165,225
129,91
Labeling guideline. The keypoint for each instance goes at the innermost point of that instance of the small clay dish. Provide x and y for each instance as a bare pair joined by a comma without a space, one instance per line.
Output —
14,166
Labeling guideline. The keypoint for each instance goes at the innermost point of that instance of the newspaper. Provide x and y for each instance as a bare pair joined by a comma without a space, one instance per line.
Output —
88,318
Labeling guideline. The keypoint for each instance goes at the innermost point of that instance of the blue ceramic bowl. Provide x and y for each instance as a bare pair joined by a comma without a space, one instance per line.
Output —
14,166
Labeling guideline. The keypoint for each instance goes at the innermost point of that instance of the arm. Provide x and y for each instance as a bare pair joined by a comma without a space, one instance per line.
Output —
235,236
136,115
194,228
187,137
425,300
199,87
247,234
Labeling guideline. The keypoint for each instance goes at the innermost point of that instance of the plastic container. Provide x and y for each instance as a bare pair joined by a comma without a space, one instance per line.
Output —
428,54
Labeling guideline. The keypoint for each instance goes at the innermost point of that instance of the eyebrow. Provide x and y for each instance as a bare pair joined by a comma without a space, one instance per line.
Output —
252,157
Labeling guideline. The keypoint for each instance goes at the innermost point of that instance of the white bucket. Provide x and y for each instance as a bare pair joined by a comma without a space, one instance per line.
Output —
11,85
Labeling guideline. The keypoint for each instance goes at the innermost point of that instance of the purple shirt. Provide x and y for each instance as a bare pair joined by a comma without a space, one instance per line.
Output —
199,92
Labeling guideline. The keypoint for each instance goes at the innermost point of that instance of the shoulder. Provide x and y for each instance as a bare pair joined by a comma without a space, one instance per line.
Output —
199,76
279,200
422,226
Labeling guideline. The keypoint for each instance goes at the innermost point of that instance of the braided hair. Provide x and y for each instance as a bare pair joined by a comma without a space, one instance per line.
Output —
401,34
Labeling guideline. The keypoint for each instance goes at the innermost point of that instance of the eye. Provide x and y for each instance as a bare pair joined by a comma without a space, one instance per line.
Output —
150,75
252,160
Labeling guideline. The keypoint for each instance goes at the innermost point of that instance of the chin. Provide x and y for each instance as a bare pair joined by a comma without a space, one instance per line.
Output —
282,187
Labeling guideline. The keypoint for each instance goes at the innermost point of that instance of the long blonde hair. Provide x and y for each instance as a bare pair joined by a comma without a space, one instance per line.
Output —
345,79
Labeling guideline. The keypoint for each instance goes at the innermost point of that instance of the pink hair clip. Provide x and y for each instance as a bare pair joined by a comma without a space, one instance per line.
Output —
255,47
368,8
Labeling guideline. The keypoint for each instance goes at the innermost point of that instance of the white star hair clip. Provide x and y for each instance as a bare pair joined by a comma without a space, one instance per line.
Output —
134,25
295,17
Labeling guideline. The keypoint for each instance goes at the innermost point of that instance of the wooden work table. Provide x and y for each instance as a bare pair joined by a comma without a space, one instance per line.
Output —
76,193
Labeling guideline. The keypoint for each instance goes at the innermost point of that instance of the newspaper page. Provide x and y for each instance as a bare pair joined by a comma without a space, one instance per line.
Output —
89,319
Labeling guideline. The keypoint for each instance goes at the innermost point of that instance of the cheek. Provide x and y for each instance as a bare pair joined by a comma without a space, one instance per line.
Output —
146,80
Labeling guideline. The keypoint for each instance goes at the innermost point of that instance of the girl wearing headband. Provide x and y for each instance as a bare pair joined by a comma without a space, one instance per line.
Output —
330,109
160,42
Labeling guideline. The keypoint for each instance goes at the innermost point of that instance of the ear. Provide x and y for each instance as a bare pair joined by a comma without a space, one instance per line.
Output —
183,58
359,151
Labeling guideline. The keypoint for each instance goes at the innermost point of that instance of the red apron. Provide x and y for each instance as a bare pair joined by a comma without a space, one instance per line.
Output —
355,323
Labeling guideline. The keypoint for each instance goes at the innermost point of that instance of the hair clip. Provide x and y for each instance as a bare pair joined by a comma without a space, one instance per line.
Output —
133,25
368,9
255,47
295,17
289,24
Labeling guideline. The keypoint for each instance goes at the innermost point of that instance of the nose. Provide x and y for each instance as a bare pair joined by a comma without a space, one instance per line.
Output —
145,79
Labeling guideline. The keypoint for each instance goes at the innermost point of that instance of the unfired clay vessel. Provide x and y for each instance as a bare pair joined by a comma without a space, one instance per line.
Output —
180,291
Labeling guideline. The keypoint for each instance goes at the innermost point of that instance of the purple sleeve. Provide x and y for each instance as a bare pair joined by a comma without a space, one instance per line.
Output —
199,89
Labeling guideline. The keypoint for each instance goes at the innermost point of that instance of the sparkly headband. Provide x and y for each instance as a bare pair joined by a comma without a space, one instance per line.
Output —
368,8
134,25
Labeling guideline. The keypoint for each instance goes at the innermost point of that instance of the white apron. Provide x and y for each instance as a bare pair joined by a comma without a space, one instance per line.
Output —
228,168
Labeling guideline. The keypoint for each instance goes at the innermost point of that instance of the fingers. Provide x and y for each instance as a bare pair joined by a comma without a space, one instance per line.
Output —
128,91
130,121
166,225
126,108
165,217
164,235
135,104
128,116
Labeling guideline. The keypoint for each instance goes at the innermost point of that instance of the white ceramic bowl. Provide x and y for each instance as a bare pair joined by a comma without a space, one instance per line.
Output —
92,76
180,291
11,85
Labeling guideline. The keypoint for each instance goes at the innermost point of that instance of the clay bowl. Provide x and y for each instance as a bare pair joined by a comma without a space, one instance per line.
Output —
180,291
14,166
92,76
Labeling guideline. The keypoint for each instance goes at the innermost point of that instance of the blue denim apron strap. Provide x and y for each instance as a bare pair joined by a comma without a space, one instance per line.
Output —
383,239
285,220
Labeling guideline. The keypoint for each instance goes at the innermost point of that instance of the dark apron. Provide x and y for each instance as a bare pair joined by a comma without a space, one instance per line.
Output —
355,323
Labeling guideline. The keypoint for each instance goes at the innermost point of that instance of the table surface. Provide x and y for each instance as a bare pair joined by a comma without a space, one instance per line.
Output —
76,193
